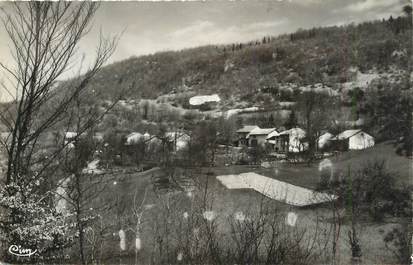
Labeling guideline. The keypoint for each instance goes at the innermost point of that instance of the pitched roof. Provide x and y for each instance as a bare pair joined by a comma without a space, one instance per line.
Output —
346,134
325,135
261,131
324,138
247,128
297,132
272,134
133,137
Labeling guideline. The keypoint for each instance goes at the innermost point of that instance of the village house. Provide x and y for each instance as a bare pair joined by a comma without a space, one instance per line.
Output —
133,138
242,134
258,136
178,140
69,139
70,136
175,141
288,141
136,137
323,141
352,140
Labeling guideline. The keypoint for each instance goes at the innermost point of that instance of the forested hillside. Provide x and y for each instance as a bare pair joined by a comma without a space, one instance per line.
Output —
319,55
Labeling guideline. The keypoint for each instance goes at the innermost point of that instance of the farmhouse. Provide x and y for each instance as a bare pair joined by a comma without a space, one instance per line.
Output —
323,140
352,140
288,141
258,136
69,138
178,140
70,135
136,137
242,134
133,138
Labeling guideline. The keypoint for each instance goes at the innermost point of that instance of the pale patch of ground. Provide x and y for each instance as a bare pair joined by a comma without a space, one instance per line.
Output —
362,80
92,168
320,88
275,189
199,100
232,112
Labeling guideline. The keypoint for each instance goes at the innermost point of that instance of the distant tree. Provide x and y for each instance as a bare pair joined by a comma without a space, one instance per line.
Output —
264,40
407,10
44,37
399,242
226,129
271,120
74,163
136,152
239,121
166,148
389,108
291,121
145,110
114,147
313,109
256,153
203,145
286,95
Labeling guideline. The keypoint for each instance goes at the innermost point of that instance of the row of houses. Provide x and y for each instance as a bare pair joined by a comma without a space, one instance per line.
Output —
280,140
175,140
294,139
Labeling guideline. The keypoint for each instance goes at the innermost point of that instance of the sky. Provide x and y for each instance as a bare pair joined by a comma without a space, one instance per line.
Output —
149,27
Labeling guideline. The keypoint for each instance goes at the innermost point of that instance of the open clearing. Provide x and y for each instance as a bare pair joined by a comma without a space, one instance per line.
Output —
275,189
159,185
226,203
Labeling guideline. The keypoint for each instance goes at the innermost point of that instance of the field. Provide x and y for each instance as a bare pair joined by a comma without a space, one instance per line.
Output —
401,166
181,187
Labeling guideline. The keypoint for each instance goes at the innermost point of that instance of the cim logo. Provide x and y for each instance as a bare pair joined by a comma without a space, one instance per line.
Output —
21,252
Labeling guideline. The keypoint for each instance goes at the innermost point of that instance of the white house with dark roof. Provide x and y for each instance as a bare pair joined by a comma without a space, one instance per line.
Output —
324,140
258,136
243,132
288,141
178,140
69,138
134,138
352,140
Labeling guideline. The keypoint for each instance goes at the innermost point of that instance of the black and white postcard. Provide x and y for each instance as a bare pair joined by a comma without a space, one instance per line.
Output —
271,132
